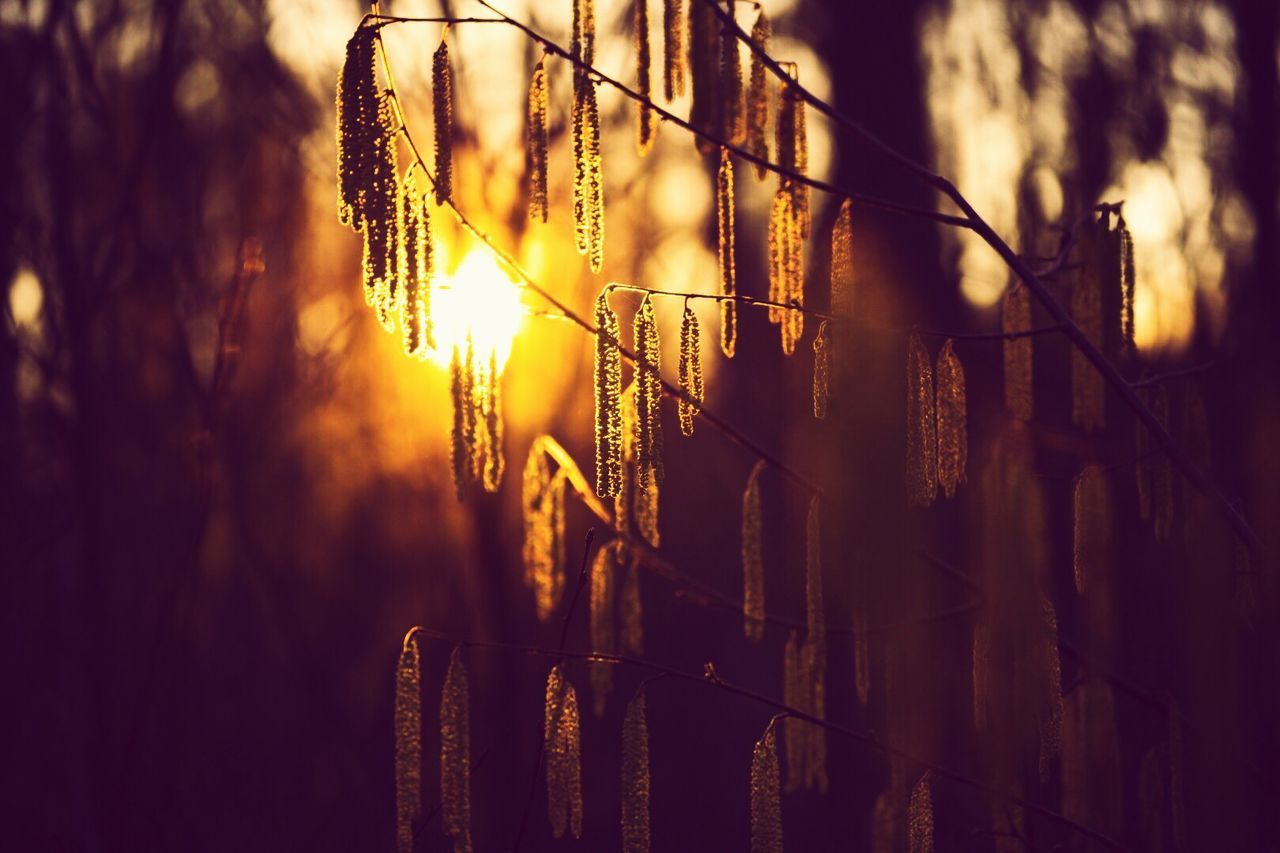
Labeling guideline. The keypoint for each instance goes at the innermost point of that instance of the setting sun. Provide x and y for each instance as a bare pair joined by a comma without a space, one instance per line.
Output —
477,299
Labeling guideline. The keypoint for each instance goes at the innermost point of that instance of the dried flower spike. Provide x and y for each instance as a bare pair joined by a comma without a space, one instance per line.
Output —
455,755
635,777
608,399
408,721
922,438
726,255
731,112
920,816
752,558
757,101
1015,317
648,396
536,135
648,119
690,369
357,110
766,799
588,182
442,103
562,743
821,372
603,633
953,440
672,49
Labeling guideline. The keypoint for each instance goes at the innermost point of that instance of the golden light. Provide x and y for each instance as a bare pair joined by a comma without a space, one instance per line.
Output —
479,300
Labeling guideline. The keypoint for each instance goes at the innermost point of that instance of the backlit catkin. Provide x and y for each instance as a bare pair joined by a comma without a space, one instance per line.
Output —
752,558
920,816
635,777
842,261
726,255
731,117
588,181
632,610
408,723
795,694
462,437
608,400
1088,391
704,71
381,214
562,745
442,104
953,440
786,266
455,755
494,458
536,136
757,100
766,798
648,396
1128,278
647,129
603,632
673,59
357,110
922,438
690,370
415,309
1015,317
1091,538
542,499
821,372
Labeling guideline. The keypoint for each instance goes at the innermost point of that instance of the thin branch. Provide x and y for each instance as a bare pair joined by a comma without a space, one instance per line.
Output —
716,297
1022,270
719,683
1171,375
991,336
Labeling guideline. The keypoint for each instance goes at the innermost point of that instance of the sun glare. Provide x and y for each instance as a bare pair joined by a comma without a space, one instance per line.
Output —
480,300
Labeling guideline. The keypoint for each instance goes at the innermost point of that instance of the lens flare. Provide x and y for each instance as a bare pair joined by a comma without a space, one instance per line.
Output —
479,300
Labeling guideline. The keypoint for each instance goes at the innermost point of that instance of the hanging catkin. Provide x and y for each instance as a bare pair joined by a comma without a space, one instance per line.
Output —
494,459
704,71
442,103
672,49
731,117
757,100
415,318
357,110
648,120
603,632
588,182
381,213
632,608
1092,528
1088,392
408,722
821,372
795,694
542,499
1050,716
635,777
953,439
536,135
752,558
633,500
922,437
690,369
1015,317
562,744
920,816
861,653
1127,285
455,755
608,400
786,266
726,255
462,438
648,396
813,665
842,261
766,799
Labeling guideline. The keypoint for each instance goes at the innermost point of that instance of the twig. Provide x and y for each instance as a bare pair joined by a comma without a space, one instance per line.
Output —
1181,373
717,297
864,737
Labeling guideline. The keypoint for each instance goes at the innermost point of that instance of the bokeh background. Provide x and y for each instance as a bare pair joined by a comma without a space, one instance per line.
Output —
225,491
